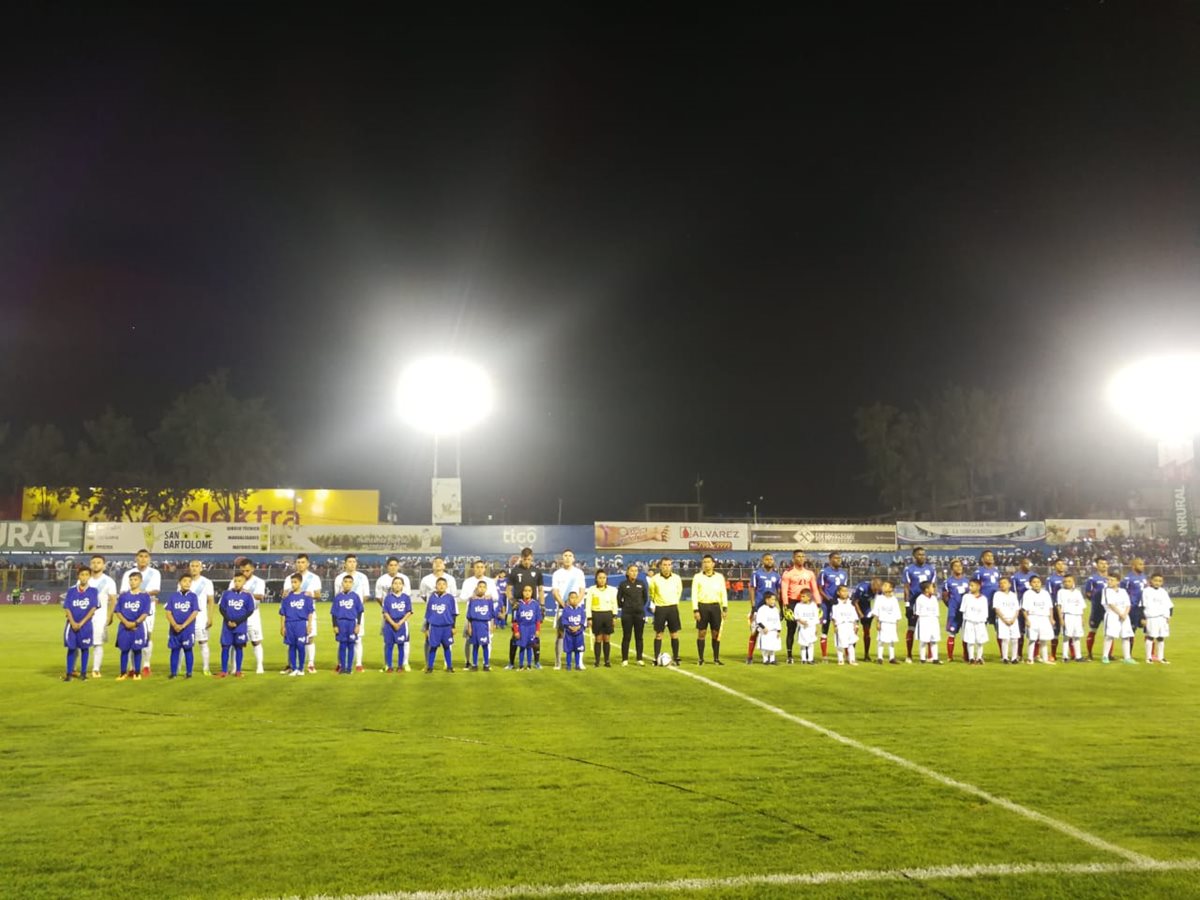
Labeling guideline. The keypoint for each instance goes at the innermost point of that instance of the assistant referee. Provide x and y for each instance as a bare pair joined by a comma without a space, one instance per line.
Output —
710,605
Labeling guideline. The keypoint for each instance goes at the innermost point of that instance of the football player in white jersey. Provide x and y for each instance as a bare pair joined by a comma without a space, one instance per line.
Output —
310,583
258,588
362,587
106,590
203,589
383,587
151,584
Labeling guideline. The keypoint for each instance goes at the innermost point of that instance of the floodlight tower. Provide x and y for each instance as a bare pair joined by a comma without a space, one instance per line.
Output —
1160,397
445,396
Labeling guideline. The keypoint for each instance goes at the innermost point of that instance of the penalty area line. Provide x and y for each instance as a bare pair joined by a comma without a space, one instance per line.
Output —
1003,802
682,885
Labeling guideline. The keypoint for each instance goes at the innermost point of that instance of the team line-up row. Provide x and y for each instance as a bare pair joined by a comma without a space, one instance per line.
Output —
1020,607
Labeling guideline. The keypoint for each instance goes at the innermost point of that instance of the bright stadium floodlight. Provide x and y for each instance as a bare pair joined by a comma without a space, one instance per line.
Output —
1159,397
444,395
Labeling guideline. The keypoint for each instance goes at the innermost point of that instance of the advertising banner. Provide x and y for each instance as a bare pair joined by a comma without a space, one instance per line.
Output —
39,536
336,539
171,538
447,501
692,536
509,539
1068,531
1182,522
970,534
282,506
866,538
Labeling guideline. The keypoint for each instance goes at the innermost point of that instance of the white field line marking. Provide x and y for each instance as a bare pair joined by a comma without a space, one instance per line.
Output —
939,873
1004,803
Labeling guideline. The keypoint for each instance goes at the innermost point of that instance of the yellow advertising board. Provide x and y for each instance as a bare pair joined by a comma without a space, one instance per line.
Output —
272,506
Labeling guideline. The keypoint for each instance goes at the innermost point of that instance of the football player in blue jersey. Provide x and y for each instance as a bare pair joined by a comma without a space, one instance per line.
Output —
1093,591
829,579
764,580
915,574
1054,584
956,586
1135,583
862,597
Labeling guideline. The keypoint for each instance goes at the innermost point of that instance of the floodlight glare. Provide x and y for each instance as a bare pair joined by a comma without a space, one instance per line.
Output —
444,395
1160,397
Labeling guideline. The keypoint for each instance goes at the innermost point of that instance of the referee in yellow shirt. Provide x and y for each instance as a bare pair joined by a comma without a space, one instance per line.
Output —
666,590
710,605
601,611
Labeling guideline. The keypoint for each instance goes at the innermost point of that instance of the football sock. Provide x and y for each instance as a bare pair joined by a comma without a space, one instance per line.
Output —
83,661
487,655
146,654
358,651
1107,651
1021,647
607,652
933,651
1161,654
512,651
174,660
558,642
97,658
310,653
387,656
239,655
137,662
124,661
891,651
750,645
921,652
700,650
1091,643
908,641
716,649
950,647
224,659
824,646
596,651
1127,648
449,659
70,662
189,659
657,648
850,654
258,658
204,656
675,649
579,659
866,643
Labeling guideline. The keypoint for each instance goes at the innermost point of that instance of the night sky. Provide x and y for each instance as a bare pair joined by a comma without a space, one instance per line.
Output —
688,245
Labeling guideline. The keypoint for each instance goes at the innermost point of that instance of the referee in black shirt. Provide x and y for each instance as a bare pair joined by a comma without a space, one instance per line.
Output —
631,600
523,573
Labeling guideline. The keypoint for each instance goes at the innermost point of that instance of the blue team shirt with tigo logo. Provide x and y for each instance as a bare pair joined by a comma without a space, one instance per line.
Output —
397,606
297,607
440,610
181,605
77,602
481,609
133,606
528,613
573,617
236,607
347,607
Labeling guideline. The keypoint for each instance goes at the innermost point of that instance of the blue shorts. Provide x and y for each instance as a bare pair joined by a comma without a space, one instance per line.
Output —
77,640
131,640
183,639
953,617
1137,618
572,642
480,634
345,630
526,637
295,634
441,635
235,638
1096,615
392,636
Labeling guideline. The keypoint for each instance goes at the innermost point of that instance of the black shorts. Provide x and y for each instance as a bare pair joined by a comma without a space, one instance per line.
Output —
710,616
666,618
602,623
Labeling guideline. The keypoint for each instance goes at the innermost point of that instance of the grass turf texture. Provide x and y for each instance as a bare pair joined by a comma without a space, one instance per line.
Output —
272,786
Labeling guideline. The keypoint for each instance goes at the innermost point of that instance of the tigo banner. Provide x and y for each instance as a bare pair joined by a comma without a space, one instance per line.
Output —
692,536
867,538
510,539
176,537
61,537
380,539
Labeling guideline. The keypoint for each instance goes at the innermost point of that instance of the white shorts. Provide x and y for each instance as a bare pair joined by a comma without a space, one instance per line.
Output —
887,633
974,633
149,624
929,630
845,635
1072,626
1008,632
1040,629
254,632
1158,628
100,628
1117,629
807,635
202,626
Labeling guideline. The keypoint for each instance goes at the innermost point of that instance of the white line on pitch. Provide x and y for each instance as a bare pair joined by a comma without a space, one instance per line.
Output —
680,885
1003,802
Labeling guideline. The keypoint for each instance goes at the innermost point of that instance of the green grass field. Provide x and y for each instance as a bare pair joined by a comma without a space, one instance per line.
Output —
378,784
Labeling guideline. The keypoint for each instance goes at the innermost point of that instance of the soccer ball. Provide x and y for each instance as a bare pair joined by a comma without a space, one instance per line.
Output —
665,659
